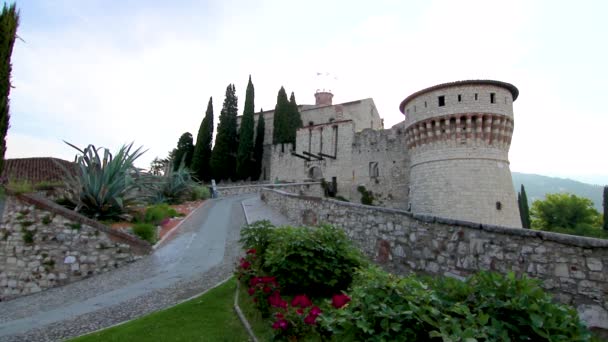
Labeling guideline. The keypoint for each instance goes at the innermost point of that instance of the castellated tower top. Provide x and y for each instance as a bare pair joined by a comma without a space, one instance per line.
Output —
323,98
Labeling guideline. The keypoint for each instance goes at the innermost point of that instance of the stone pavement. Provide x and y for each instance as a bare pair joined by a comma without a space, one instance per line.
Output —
201,254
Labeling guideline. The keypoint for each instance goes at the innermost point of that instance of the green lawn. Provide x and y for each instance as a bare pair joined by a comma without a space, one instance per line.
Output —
210,317
262,328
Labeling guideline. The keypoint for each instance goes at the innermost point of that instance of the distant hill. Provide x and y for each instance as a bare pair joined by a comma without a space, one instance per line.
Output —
538,186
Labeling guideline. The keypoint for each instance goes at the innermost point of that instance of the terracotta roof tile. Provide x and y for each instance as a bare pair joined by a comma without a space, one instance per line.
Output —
35,170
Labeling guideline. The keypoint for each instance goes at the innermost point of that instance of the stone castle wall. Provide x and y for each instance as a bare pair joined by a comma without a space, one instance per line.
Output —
308,188
42,246
572,268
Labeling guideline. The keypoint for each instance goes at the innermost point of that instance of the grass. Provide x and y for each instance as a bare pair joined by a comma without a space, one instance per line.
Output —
209,317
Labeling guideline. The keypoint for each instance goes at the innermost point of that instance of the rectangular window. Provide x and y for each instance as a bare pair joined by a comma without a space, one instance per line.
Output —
373,170
335,141
441,101
424,104
309,139
459,98
321,140
475,96
492,97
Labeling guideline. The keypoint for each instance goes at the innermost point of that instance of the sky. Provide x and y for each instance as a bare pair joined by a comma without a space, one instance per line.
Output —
109,72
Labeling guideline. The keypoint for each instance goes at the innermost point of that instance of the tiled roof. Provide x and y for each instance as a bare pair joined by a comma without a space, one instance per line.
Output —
35,170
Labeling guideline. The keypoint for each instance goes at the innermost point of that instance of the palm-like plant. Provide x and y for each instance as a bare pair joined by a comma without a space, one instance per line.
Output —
104,186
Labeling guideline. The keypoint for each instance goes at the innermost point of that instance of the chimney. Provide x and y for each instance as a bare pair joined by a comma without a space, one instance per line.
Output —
323,98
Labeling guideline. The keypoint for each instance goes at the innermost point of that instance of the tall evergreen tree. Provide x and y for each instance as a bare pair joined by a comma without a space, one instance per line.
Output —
605,204
223,157
280,132
258,150
294,119
9,21
184,151
524,210
244,164
202,150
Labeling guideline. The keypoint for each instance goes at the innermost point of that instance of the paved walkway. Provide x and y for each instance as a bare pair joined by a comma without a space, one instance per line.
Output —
199,255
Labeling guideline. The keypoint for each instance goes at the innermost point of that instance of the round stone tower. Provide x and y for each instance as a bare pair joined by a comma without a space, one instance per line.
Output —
323,98
458,136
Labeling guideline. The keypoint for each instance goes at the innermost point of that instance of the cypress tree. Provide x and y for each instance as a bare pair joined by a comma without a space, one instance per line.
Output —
184,151
202,150
223,157
244,164
524,209
294,120
9,21
605,204
280,133
258,150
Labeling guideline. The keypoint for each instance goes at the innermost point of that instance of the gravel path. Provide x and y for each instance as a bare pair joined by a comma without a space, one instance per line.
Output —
200,255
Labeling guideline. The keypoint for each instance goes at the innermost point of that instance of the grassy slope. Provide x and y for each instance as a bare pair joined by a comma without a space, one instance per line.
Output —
209,317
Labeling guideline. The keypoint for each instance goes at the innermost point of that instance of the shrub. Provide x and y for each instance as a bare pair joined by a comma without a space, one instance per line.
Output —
199,192
157,213
103,186
47,219
145,231
367,197
256,237
317,261
28,235
171,187
488,306
20,187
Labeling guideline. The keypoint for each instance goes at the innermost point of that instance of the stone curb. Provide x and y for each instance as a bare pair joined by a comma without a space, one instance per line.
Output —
170,232
242,317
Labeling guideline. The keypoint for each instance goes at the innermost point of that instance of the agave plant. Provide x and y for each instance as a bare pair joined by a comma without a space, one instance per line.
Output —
171,187
104,186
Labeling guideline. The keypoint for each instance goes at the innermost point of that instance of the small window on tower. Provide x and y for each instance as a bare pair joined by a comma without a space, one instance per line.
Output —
424,104
492,97
475,96
459,98
441,101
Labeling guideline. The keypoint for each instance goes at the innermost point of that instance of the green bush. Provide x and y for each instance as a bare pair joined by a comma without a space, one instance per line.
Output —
317,261
487,307
145,231
172,187
157,213
256,236
367,197
199,192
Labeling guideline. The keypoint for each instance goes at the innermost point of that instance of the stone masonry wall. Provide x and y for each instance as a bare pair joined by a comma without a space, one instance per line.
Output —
308,189
573,268
40,248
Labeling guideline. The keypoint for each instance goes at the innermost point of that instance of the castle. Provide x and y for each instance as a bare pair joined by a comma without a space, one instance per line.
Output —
448,158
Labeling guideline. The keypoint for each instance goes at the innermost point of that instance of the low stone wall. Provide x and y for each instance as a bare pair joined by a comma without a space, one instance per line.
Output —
574,269
43,245
307,189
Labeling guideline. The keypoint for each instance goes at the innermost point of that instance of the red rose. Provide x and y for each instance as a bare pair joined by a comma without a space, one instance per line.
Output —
245,265
301,301
251,291
266,289
339,300
314,311
280,324
275,300
310,320
251,251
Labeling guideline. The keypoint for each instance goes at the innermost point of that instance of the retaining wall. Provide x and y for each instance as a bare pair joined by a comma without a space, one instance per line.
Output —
307,188
43,245
574,269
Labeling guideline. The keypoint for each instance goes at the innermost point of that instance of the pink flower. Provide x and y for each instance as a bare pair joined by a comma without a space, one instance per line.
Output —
315,311
310,320
339,300
301,301
251,251
280,324
275,300
251,291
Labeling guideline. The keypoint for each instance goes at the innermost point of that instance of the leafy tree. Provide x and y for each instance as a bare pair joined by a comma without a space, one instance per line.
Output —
281,119
9,21
202,150
184,151
258,150
524,210
223,157
158,166
605,204
563,210
294,119
244,162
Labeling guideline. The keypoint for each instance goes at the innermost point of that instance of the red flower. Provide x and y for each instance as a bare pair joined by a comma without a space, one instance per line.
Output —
251,251
310,320
268,280
300,312
255,280
266,289
314,311
276,300
279,315
280,324
245,265
339,300
301,301
251,291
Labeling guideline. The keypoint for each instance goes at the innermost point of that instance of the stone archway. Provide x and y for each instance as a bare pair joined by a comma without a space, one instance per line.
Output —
315,173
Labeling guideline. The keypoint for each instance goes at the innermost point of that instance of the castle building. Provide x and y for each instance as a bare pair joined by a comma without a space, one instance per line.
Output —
448,158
